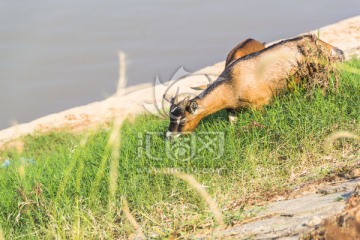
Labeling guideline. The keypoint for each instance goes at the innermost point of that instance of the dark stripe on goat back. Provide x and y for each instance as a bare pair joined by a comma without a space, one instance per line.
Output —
252,55
288,40
212,87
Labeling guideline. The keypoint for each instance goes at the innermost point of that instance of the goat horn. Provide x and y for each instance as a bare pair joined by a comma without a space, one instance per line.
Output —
176,100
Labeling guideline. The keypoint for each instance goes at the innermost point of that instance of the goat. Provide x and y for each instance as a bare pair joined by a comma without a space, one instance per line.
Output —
249,82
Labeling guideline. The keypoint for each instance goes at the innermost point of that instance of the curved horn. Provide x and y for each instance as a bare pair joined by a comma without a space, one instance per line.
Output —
176,97
176,100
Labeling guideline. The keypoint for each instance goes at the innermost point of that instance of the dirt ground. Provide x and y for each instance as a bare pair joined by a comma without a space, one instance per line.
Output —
344,225
329,209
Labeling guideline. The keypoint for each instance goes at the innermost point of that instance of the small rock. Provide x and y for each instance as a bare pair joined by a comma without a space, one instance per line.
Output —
5,164
314,221
356,172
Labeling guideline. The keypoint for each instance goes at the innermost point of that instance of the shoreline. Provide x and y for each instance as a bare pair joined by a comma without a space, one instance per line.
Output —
139,99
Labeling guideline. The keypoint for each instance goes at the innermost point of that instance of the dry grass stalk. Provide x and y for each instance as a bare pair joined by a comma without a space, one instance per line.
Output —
1,234
200,189
122,74
131,219
114,164
114,140
258,218
113,145
333,137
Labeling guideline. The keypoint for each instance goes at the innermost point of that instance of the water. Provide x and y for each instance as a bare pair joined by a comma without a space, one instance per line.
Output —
59,54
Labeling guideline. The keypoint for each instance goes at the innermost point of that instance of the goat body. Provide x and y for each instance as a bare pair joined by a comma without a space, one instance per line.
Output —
251,81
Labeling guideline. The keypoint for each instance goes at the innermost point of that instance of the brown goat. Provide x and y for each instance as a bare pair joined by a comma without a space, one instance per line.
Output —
249,82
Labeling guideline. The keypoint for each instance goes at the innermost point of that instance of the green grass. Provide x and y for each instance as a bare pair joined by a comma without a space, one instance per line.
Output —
65,194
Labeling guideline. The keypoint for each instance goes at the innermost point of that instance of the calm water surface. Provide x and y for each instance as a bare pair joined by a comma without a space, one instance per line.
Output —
59,54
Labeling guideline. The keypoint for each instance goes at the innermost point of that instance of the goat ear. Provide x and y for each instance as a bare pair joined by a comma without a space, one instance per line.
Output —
168,98
193,107
201,87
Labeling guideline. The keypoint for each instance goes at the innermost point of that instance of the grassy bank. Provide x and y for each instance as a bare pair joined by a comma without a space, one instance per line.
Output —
73,188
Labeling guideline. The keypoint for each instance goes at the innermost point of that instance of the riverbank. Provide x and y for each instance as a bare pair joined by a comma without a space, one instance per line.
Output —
344,34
